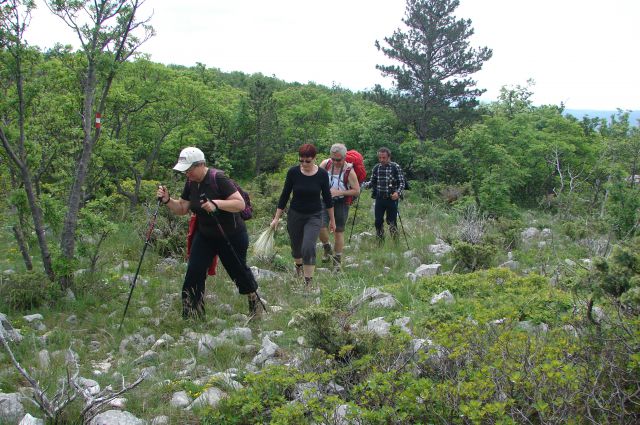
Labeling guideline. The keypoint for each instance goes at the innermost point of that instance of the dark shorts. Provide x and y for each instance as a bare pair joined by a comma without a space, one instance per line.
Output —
340,212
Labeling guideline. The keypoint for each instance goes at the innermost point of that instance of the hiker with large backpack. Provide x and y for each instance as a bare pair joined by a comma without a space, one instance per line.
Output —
217,203
344,184
308,183
387,183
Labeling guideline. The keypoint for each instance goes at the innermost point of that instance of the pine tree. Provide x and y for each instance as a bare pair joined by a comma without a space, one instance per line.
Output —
433,92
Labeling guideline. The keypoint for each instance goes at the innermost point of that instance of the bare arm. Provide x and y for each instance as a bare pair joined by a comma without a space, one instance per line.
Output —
234,203
177,206
353,184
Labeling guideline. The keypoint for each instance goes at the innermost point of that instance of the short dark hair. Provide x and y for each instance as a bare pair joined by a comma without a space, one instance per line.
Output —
307,151
385,150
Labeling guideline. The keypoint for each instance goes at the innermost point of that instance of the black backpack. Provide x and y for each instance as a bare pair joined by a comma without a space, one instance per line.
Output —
247,212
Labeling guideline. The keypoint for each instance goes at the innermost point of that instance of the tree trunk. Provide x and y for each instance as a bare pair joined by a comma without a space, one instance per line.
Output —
20,159
68,237
22,245
18,232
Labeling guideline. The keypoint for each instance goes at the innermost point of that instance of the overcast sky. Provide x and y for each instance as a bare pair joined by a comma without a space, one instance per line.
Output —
580,52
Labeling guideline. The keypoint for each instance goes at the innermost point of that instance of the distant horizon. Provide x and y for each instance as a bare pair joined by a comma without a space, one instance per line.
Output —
634,116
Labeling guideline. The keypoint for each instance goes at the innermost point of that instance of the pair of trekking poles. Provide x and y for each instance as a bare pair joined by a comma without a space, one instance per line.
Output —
355,214
147,242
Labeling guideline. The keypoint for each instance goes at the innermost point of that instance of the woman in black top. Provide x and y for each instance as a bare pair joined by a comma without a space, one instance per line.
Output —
220,231
307,182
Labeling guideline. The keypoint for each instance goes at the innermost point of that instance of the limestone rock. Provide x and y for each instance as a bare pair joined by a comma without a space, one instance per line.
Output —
445,296
11,410
116,417
180,400
211,397
427,270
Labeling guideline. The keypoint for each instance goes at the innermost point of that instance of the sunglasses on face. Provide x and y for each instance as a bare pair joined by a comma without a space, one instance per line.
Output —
306,161
188,170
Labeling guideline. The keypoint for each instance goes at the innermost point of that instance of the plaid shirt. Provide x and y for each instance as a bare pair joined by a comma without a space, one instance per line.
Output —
386,179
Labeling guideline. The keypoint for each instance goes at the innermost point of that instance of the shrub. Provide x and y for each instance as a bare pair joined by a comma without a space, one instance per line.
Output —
619,275
509,230
322,329
472,225
574,231
623,211
255,403
473,257
451,194
27,290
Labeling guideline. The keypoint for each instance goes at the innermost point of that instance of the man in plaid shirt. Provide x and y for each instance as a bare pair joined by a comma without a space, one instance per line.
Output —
387,183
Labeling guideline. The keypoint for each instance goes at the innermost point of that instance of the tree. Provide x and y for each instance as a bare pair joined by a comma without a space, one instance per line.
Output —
265,118
14,20
105,29
433,90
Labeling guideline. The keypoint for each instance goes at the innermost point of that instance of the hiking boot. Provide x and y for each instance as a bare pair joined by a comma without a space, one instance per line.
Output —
337,260
326,257
255,306
393,231
299,270
309,287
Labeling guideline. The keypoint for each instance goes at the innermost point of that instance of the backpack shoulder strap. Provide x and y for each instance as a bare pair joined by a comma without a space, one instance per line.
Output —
212,177
346,174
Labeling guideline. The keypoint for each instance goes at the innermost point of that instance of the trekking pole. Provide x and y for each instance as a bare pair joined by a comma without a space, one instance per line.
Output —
224,235
152,224
402,226
354,218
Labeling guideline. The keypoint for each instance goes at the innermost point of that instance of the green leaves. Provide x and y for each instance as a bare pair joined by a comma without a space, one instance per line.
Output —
432,89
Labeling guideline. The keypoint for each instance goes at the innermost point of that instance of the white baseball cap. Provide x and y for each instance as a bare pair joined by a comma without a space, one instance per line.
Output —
187,157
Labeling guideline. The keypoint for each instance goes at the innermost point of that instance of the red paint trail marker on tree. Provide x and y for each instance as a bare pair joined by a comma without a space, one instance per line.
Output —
98,119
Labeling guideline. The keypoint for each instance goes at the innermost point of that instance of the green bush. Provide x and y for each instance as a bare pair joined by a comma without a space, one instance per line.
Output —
263,393
322,329
27,290
620,273
624,210
509,230
574,230
473,256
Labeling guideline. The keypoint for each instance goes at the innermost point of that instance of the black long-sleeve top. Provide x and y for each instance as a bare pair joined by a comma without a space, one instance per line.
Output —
306,191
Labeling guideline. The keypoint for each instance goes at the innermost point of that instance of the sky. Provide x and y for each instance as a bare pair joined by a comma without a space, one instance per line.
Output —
582,53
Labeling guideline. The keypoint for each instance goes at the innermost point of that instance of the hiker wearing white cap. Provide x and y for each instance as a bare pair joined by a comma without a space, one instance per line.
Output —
216,202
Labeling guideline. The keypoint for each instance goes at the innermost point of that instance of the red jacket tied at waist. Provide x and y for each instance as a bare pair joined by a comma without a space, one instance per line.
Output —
193,226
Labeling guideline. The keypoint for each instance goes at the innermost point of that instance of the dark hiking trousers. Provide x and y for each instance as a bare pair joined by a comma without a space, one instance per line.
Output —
203,250
390,207
303,232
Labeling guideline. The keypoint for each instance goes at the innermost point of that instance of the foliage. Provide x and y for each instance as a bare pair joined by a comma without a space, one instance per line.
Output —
433,90
26,291
473,256
264,393
324,329
510,348
624,210
619,274
94,227
508,232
